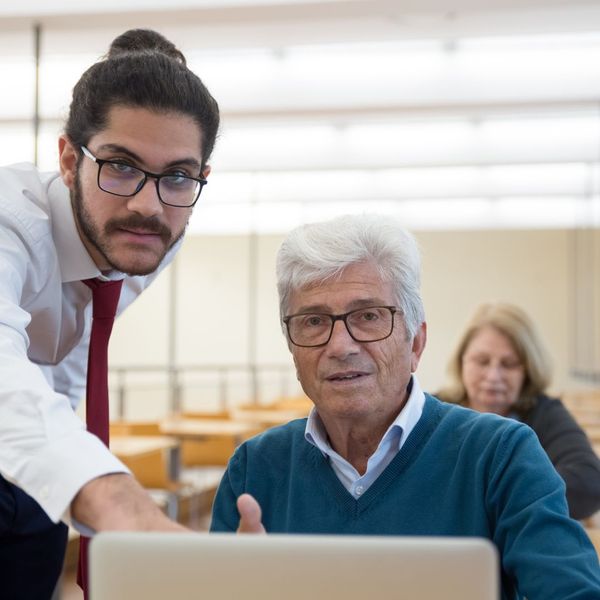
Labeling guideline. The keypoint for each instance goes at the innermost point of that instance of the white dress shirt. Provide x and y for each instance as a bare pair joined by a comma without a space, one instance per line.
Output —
45,320
390,444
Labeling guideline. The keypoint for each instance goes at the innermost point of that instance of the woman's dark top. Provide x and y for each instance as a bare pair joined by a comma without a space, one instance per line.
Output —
570,451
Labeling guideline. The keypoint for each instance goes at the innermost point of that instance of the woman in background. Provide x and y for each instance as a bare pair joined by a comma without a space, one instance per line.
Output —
501,366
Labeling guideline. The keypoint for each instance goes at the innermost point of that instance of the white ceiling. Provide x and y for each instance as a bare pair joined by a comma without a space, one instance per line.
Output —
318,20
407,103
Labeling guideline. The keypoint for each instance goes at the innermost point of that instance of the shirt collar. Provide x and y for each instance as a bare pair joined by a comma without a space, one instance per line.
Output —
316,434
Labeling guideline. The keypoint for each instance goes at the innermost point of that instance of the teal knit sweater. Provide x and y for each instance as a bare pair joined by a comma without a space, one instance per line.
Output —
459,473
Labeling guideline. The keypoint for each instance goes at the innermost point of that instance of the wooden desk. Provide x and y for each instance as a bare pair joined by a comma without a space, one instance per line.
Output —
155,462
593,432
268,417
200,429
586,399
587,419
207,442
594,535
130,446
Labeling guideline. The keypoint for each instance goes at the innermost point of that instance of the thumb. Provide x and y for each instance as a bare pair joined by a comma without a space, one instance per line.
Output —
250,515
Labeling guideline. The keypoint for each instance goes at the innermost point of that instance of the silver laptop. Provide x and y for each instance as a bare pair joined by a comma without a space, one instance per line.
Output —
155,566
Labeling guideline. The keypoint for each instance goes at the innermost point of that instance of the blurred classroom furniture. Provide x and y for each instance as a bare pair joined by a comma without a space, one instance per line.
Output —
206,441
594,535
592,431
584,405
266,417
154,460
200,429
211,450
180,459
280,411
157,461
133,449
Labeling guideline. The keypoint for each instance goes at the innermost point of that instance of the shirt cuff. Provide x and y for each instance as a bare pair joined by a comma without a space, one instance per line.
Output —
54,476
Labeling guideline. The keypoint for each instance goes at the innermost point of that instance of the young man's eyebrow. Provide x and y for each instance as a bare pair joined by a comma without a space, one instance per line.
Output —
190,161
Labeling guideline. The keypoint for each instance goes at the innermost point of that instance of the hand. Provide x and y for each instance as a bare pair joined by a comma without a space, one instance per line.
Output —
119,502
250,515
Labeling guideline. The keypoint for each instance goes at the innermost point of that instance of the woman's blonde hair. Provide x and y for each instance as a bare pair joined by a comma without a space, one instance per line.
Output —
513,323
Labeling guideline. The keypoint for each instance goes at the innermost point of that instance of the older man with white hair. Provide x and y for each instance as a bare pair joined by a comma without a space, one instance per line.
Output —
379,456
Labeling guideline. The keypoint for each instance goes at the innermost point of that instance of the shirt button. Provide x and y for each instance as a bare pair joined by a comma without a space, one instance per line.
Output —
359,490
44,492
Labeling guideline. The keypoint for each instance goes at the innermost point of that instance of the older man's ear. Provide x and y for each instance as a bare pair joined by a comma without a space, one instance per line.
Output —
250,515
418,346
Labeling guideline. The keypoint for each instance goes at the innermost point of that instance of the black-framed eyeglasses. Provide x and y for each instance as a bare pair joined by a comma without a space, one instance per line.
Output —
121,179
369,324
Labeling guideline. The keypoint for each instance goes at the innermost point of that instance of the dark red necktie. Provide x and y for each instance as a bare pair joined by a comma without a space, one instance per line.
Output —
105,297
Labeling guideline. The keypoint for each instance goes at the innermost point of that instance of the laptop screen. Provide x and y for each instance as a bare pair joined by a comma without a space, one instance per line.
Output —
126,565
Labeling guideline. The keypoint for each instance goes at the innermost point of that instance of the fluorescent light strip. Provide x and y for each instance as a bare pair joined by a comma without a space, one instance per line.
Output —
455,214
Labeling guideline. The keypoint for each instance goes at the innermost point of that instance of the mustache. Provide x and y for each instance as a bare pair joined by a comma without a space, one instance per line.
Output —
135,221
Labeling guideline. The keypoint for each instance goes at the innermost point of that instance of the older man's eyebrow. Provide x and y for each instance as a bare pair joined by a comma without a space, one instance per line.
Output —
355,304
366,302
313,308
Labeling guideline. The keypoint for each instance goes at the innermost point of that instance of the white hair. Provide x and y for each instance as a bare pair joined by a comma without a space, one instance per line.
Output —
316,252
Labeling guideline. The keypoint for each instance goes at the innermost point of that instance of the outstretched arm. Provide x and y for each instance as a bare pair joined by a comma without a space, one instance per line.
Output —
119,502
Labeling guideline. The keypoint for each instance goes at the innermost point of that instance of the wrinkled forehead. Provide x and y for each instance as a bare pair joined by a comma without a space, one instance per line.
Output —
357,285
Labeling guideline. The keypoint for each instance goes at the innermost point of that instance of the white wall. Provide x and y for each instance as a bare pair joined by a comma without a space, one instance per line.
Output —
463,269
460,270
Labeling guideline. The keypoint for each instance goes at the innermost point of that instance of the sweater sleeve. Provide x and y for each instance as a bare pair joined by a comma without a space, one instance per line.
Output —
571,454
225,516
544,551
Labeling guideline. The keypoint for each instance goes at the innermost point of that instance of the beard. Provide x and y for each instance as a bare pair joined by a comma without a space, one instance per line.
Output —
100,238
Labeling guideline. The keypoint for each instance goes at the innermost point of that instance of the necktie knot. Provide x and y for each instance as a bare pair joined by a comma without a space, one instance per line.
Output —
105,297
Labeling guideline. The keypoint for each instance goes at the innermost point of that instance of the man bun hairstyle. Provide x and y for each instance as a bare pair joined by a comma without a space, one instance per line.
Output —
144,40
142,69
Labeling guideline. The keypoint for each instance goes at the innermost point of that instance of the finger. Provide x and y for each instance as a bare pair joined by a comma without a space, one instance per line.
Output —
250,515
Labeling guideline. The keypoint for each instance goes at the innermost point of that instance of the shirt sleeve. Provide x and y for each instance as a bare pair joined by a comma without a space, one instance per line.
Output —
544,551
44,448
